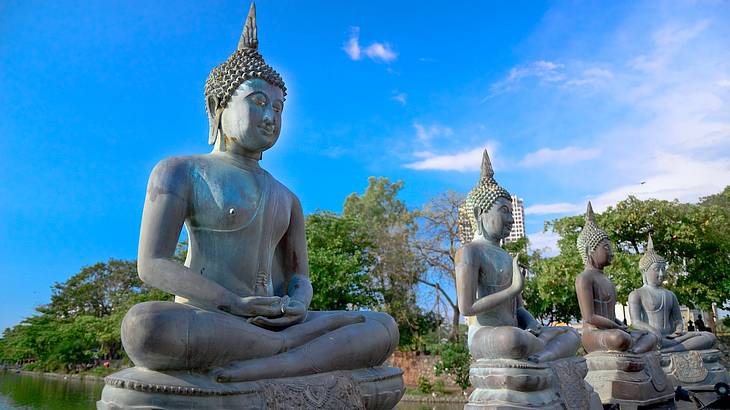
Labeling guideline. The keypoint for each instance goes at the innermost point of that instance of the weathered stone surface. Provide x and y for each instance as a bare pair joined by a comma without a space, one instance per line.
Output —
629,380
514,384
136,388
695,370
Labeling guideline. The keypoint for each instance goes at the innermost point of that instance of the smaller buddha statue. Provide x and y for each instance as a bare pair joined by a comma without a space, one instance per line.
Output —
597,297
489,283
623,364
519,362
688,358
655,309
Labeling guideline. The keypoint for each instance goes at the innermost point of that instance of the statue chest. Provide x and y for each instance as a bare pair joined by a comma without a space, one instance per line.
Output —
496,272
604,290
229,199
655,302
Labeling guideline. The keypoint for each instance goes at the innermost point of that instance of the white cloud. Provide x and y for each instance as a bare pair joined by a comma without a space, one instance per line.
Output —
352,46
567,155
380,51
545,242
375,51
551,209
724,83
464,161
426,133
402,98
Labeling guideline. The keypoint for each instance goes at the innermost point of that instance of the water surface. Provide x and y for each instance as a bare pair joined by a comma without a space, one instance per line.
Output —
33,392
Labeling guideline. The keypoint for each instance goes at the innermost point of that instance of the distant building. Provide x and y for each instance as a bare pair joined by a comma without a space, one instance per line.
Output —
518,213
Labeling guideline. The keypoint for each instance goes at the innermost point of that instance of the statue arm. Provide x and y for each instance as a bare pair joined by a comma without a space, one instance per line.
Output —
467,273
676,316
165,210
584,289
636,317
295,259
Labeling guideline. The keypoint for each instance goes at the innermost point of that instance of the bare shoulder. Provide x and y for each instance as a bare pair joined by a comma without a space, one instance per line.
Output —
468,254
635,296
584,279
288,195
171,175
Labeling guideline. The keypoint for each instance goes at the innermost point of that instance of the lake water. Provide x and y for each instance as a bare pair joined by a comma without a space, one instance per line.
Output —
43,393
30,392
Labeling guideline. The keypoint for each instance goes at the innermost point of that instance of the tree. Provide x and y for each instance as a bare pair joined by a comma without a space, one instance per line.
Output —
96,290
692,237
391,227
340,260
438,241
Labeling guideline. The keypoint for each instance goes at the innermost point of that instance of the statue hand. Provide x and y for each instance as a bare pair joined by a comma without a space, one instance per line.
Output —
294,312
674,335
518,279
535,330
269,306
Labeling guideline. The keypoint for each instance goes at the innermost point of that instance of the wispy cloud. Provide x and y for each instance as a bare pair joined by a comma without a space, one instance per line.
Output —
464,161
382,52
401,98
426,133
549,156
545,242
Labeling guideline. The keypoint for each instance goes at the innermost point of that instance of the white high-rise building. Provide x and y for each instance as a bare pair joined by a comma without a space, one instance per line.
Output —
518,214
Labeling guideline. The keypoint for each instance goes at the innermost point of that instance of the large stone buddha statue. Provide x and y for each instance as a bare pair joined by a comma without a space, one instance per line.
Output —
623,365
688,358
241,298
504,338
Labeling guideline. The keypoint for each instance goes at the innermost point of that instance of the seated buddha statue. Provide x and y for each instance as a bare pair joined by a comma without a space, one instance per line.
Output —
623,364
489,283
241,298
656,309
597,297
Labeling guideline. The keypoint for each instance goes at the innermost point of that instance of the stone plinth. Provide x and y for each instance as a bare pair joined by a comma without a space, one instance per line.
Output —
514,384
137,388
630,380
696,370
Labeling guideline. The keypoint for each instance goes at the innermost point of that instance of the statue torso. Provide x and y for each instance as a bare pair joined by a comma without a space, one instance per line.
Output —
235,220
495,274
656,308
604,295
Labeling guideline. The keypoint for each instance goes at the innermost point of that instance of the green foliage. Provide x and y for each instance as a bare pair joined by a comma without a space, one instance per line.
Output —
391,227
692,237
455,361
340,260
82,323
424,385
439,386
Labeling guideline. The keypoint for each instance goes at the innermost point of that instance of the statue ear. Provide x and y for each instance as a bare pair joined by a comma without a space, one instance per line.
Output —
477,212
214,117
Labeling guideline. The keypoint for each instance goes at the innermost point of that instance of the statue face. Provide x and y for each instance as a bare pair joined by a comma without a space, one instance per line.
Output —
497,222
654,276
251,121
602,255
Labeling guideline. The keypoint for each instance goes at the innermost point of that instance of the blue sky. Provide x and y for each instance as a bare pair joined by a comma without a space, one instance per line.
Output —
576,101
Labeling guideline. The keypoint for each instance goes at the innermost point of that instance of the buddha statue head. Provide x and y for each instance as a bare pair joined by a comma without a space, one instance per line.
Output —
593,243
487,209
653,267
244,98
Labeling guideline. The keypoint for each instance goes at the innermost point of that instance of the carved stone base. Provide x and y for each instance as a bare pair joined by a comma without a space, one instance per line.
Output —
697,370
630,380
513,384
141,389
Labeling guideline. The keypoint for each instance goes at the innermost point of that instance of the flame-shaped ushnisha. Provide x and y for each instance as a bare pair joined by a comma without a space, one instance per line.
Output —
245,63
483,195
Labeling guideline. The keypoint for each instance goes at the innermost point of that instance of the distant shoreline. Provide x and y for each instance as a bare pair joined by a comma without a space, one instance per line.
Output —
49,375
